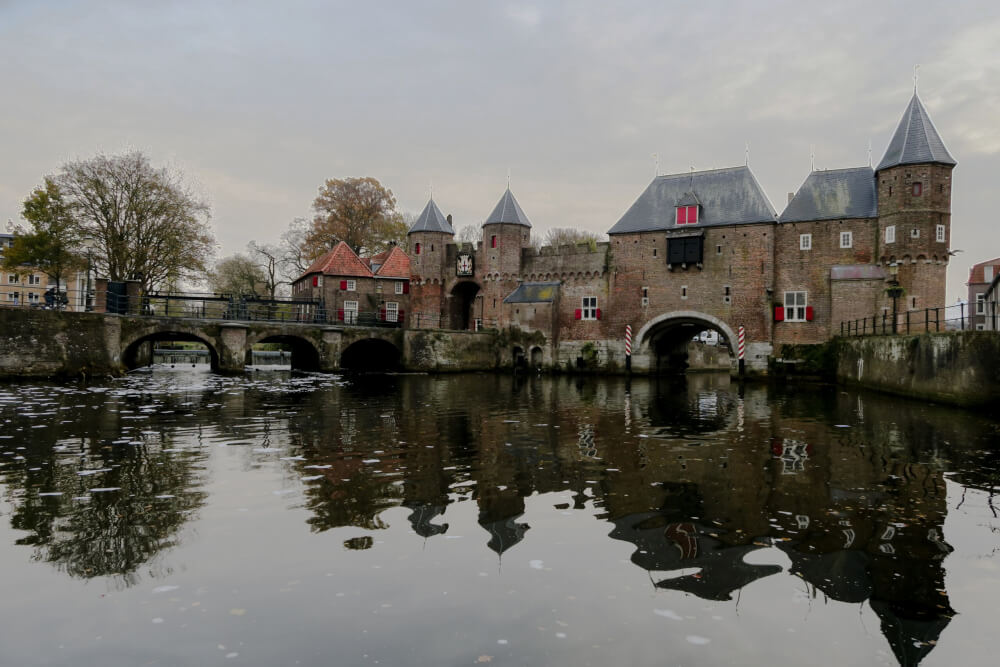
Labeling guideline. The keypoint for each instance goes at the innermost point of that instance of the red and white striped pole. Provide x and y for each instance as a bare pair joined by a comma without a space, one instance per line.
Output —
628,347
741,348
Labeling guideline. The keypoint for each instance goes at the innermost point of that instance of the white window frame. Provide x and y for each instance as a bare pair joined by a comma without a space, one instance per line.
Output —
391,311
645,297
796,312
352,286
399,287
940,233
12,296
350,312
805,241
915,233
890,234
34,280
846,239
980,327
980,304
13,279
32,297
588,308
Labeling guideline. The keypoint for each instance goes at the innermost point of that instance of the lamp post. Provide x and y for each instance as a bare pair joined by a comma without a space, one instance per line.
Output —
894,291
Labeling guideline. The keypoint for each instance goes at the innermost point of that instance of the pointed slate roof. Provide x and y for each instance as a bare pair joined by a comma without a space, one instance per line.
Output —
508,210
916,140
725,196
431,220
394,263
833,194
341,261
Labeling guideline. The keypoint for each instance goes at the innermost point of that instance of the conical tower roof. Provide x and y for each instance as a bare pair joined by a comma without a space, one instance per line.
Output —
916,140
431,220
509,211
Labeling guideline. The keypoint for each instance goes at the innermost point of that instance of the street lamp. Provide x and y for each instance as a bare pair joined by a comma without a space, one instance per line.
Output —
894,291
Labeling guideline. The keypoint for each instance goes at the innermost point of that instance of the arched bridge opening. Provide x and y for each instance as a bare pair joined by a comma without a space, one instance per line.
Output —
371,355
687,341
160,347
465,306
302,353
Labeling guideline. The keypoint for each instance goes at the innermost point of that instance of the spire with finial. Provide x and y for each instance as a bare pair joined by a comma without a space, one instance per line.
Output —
916,140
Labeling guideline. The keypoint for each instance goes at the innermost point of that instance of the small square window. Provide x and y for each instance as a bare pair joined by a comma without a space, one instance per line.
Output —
890,234
718,250
589,311
846,239
914,233
918,189
352,285
805,241
940,232
416,249
654,252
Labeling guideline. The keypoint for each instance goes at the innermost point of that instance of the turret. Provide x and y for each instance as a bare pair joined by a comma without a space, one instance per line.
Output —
505,233
427,240
914,207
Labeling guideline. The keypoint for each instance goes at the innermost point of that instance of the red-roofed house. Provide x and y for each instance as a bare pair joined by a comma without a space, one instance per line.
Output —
980,277
355,290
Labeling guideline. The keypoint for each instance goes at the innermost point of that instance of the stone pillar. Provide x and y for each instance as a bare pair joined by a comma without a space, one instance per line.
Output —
133,288
232,348
100,295
329,359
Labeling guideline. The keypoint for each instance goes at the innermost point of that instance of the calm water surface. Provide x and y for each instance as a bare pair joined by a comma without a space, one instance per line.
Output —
181,518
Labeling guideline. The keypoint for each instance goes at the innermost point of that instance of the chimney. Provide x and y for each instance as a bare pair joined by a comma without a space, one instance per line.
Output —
449,218
791,196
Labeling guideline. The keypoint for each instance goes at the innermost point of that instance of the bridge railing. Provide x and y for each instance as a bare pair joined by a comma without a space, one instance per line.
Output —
958,317
47,298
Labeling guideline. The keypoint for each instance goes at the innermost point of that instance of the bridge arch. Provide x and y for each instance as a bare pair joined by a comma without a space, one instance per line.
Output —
371,354
664,338
134,354
305,356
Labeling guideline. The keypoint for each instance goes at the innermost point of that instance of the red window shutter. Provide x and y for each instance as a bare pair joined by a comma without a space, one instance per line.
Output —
598,313
681,215
315,281
692,214
493,242
809,313
578,314
381,314
340,315
343,285
779,314
406,287
418,248
399,316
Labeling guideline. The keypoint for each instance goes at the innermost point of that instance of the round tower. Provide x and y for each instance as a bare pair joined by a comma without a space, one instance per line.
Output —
505,233
913,181
427,242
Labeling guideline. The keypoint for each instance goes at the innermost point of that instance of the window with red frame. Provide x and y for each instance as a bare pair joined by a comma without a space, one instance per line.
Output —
416,249
918,189
493,242
687,215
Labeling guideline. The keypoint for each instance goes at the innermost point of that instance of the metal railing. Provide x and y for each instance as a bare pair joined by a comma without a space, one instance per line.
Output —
958,317
46,298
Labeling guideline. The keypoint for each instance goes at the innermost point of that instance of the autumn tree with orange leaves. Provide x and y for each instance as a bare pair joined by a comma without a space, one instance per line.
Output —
359,211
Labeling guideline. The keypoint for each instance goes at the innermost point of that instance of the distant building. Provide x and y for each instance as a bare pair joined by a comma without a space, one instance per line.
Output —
981,276
27,286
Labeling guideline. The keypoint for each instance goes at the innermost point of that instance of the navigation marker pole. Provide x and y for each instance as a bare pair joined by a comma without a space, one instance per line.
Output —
741,349
628,348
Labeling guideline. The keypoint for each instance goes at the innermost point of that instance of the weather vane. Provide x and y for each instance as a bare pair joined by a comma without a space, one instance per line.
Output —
916,75
656,164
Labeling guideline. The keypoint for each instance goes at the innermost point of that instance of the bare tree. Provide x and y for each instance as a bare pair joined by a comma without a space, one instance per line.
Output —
268,259
470,234
146,223
294,256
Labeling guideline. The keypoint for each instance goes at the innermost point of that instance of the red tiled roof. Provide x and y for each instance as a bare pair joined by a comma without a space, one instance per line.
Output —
395,264
341,261
976,272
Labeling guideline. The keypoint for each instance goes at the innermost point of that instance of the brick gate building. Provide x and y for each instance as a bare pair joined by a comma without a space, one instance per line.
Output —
695,251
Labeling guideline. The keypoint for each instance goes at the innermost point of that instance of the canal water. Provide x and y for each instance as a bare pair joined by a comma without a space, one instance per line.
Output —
177,517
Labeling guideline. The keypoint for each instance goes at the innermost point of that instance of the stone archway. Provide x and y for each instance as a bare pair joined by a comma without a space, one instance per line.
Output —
371,354
662,344
138,352
462,301
304,355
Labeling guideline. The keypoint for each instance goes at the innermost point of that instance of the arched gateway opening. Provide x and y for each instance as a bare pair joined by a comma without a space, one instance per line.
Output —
371,355
687,340
303,354
462,306
160,347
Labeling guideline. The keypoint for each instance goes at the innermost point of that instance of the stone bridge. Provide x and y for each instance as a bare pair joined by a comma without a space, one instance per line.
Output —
38,342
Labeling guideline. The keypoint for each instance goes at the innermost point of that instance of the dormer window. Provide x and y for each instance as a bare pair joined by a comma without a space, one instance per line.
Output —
687,215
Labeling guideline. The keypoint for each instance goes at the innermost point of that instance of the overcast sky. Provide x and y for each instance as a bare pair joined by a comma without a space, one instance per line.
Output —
259,102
